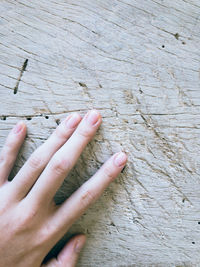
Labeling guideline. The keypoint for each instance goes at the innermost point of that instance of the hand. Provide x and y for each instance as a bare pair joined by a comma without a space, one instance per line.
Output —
31,223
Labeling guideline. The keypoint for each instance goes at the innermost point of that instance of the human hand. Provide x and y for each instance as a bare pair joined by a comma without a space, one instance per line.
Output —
31,223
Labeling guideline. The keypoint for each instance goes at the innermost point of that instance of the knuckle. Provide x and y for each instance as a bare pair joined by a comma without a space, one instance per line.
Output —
29,216
60,165
7,154
107,172
87,198
60,132
35,160
2,159
45,234
6,159
26,220
4,205
86,133
10,146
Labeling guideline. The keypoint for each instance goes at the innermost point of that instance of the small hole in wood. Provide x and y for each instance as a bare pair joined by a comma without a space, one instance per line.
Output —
193,242
183,43
29,118
46,117
57,121
176,35
163,46
82,84
4,118
122,171
183,200
198,222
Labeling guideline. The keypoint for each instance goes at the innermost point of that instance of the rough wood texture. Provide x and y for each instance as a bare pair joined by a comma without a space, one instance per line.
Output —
137,62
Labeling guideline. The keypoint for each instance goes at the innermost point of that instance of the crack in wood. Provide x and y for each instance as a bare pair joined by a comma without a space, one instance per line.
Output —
150,108
20,76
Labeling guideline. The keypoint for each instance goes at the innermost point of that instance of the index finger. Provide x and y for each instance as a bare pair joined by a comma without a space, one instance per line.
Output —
88,193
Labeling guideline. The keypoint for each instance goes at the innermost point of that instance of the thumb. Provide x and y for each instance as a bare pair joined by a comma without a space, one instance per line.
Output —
69,254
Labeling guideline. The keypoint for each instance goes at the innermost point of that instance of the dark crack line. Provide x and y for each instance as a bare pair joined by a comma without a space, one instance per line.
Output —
20,76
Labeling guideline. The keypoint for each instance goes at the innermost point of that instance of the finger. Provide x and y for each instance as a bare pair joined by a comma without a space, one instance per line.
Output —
11,149
31,170
62,162
69,254
88,193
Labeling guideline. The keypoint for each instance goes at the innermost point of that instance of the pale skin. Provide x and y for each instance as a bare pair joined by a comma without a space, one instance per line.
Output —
30,221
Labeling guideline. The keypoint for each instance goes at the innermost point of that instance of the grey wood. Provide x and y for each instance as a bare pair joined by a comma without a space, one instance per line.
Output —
138,62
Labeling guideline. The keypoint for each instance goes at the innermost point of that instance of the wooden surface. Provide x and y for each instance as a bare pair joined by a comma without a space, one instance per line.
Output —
137,62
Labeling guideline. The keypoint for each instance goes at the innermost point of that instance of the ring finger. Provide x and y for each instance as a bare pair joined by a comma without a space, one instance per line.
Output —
31,170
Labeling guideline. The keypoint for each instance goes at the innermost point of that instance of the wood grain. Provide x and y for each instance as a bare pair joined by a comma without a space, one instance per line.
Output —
138,62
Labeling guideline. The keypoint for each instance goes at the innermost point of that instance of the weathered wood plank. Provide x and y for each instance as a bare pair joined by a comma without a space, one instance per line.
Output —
138,63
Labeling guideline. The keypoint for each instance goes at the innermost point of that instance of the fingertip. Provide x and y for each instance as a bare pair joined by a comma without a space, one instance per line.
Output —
24,127
71,250
99,117
79,243
120,159
19,128
99,114
93,117
73,120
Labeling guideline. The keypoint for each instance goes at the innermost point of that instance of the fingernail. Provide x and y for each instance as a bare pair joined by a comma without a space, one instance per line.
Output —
73,120
92,116
79,243
18,127
120,159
